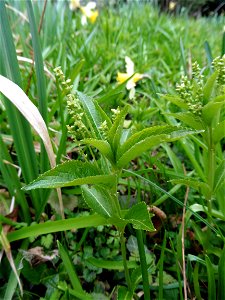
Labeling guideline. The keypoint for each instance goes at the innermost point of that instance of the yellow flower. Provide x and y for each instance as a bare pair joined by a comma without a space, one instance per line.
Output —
131,83
74,4
89,13
93,16
172,5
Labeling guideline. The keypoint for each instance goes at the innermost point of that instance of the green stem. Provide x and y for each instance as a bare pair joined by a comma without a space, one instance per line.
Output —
211,169
123,250
114,189
144,267
161,261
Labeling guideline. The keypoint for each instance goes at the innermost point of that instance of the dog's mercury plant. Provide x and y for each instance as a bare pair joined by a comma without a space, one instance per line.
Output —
201,99
78,129
99,179
219,66
191,91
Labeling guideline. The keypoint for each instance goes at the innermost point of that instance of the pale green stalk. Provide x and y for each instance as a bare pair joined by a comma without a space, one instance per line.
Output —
123,251
144,266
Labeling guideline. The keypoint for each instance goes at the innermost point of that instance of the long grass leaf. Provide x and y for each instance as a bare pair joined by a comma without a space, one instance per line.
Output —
10,176
6,246
19,127
17,96
208,54
183,59
211,279
41,84
69,267
221,275
57,226
223,45
12,283
161,262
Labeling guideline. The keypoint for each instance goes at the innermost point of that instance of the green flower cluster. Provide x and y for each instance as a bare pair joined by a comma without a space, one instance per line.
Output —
219,66
191,91
78,129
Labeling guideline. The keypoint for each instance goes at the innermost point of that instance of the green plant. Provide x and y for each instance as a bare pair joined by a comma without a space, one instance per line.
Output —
202,104
99,180
33,39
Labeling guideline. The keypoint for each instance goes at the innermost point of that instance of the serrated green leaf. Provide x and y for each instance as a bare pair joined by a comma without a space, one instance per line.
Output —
211,110
70,173
139,217
182,133
209,86
143,134
115,132
91,112
194,183
190,119
103,146
219,98
219,132
137,148
176,100
100,200
219,176
111,264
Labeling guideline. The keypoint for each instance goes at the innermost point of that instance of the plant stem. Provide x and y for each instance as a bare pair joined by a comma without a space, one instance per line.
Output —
114,192
144,267
123,251
161,261
211,169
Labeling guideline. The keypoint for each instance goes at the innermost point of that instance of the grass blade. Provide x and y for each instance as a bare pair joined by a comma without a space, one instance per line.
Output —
41,85
19,127
10,176
144,267
183,59
161,261
57,226
221,275
12,283
211,279
69,267
223,45
16,95
208,54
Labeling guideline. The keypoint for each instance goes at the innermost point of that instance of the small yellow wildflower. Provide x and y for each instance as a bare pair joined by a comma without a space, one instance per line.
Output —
74,4
172,5
89,13
131,83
